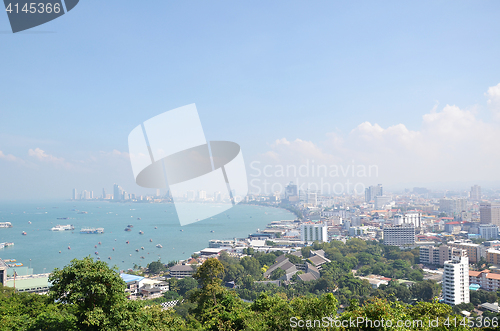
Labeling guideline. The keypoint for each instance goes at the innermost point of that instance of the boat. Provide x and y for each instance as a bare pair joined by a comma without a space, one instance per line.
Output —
141,232
127,241
182,230
92,230
29,222
130,226
69,247
96,253
138,218
5,225
212,231
63,218
150,240
142,248
82,212
67,227
113,248
24,233
15,265
159,246
109,257
99,242
137,250
128,229
2,245
156,227
142,257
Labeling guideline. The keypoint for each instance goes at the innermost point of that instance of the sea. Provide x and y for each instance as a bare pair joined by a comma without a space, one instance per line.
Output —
43,249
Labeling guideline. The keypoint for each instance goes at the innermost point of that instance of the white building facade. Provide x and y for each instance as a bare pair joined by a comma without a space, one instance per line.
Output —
456,279
313,231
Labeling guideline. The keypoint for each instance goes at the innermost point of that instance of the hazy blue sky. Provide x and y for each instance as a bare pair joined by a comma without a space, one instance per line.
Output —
334,81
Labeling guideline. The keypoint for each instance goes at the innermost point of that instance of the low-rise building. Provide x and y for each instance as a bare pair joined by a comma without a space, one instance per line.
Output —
487,280
181,271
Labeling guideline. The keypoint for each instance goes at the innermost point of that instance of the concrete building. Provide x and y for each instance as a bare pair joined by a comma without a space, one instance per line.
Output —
381,201
487,280
372,192
475,193
117,192
181,271
473,250
493,256
312,199
489,213
456,279
452,206
436,255
399,235
292,192
488,231
313,231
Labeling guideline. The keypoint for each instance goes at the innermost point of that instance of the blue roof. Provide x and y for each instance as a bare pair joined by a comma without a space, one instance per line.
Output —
474,287
130,278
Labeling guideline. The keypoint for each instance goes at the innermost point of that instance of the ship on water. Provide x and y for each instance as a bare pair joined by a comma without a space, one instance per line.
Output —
92,230
5,225
67,227
3,245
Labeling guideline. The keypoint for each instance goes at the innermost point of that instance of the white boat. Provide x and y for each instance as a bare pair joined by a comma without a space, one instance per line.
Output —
5,225
159,246
59,227
92,230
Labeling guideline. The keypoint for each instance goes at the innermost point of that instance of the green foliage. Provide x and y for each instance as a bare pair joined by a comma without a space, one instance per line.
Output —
156,267
277,274
93,288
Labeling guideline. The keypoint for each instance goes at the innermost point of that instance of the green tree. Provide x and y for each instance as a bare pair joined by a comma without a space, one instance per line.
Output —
186,284
95,290
156,267
277,274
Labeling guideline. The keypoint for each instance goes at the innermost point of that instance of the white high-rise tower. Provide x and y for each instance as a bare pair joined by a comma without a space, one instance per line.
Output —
456,279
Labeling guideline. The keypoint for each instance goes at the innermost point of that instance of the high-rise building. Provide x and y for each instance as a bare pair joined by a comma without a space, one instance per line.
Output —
202,195
475,193
399,235
103,193
372,192
310,231
117,192
292,192
490,213
74,195
190,195
456,279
